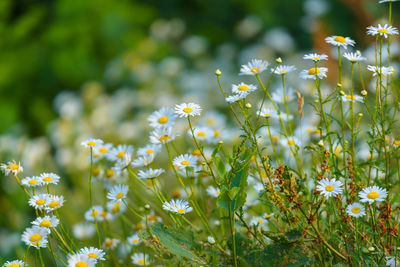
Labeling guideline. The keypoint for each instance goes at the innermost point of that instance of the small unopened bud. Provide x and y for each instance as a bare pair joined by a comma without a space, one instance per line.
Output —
218,72
211,240
221,142
364,93
339,85
342,93
278,60
360,115
346,142
147,206
316,101
321,143
371,249
248,105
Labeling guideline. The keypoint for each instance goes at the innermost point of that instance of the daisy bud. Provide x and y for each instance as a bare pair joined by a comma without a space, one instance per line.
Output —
221,142
342,93
218,72
360,115
364,93
321,143
211,240
339,85
371,249
147,206
248,105
316,101
278,60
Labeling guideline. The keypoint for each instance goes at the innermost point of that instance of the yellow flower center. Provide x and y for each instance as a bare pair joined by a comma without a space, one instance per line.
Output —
260,221
48,179
313,71
15,265
316,58
32,182
103,150
108,243
91,143
373,195
356,210
121,154
45,223
142,262
383,31
196,152
283,71
187,110
210,121
329,188
340,39
135,241
109,173
267,115
40,202
96,172
13,166
54,204
396,142
35,238
94,213
275,138
243,88
267,216
92,255
164,138
218,193
181,211
81,264
185,162
201,134
350,97
291,142
163,119
120,195
254,70
116,208
216,133
150,151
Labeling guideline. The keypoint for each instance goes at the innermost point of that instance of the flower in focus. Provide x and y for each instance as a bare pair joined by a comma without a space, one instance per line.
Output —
150,173
92,143
316,57
46,222
355,210
340,41
254,67
149,150
162,136
330,188
118,192
185,161
283,69
234,98
31,181
187,109
165,117
35,237
372,194
39,201
177,206
384,30
54,202
243,89
49,178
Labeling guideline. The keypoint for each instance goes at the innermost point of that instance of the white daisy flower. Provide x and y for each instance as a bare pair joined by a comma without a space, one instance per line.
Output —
372,194
16,263
386,1
31,181
110,243
280,97
254,67
92,143
187,109
80,260
185,161
211,240
149,150
11,167
177,206
35,237
121,152
39,201
384,30
165,117
213,119
340,41
46,222
392,261
384,71
355,210
352,98
283,69
134,240
316,57
93,253
213,191
162,136
49,178
94,213
150,173
268,216
267,113
290,141
101,150
259,221
114,208
330,188
354,57
313,73
202,133
83,231
118,192
140,259
54,202
234,98
243,88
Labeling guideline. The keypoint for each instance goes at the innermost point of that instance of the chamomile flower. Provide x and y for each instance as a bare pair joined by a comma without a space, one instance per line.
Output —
213,191
92,143
372,194
11,167
352,98
94,213
354,57
39,201
110,243
101,150
83,231
355,210
80,260
49,178
234,98
259,221
185,161
268,216
267,113
243,88
46,222
35,237
165,117
54,202
162,136
384,71
201,133
149,150
290,142
396,143
121,152
211,240
281,97
340,41
31,181
386,1
330,188
134,240
283,69
314,73
384,30
254,67
16,263
212,119
93,253
142,161
316,57
187,109
177,206
140,259
118,192
150,173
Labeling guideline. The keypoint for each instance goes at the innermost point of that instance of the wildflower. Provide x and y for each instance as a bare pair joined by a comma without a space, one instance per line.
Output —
396,143
134,239
11,167
211,240
281,97
165,117
150,173
385,1
177,206
201,133
54,202
115,208
268,216
316,57
31,181
140,259
16,263
49,178
355,210
254,67
149,150
162,136
330,188
83,230
142,161
243,88
213,191
234,98
94,213
291,141
118,192
313,73
35,237
283,69
186,110
92,143
80,260
93,253
259,221
110,243
354,57
392,261
384,71
267,113
46,222
212,119
384,30
121,152
39,201
352,98
372,193
185,161
340,41
101,150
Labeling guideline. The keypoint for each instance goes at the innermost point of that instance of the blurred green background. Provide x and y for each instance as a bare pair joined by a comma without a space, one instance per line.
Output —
47,46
